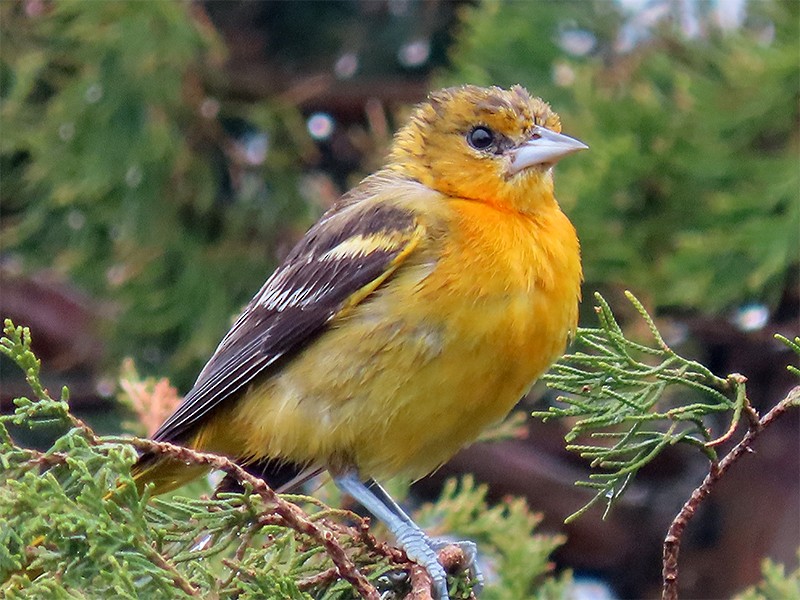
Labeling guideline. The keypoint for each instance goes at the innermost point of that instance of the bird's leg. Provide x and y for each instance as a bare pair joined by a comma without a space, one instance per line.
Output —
410,537
383,496
469,549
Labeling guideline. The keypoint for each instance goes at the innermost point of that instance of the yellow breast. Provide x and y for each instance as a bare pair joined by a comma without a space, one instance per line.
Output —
448,346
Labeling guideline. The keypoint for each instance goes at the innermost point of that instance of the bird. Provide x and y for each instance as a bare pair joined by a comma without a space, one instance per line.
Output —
417,311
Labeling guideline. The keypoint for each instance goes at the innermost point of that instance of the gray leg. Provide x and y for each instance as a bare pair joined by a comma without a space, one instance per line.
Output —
409,536
383,496
469,549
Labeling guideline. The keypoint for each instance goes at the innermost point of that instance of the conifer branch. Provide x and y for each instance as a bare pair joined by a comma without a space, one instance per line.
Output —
179,581
72,519
622,394
618,390
756,425
291,514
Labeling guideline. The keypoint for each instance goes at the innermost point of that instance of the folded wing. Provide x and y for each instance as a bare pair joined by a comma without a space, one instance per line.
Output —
348,254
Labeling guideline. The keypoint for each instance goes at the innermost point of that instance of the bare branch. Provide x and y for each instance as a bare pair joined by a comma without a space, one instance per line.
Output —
672,542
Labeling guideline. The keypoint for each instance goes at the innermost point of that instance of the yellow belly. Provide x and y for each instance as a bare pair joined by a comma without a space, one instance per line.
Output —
421,367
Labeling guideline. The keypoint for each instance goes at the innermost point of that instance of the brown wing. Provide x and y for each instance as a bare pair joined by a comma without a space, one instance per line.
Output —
340,261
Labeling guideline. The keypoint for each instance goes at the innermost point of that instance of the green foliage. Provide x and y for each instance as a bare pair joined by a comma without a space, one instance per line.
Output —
625,415
776,585
689,192
794,346
120,174
73,525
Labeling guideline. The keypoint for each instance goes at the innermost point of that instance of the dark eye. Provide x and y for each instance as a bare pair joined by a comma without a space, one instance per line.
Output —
480,138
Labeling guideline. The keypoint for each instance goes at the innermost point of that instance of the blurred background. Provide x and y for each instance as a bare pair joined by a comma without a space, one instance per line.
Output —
158,159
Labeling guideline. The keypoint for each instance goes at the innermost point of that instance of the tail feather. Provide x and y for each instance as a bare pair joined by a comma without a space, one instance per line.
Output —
280,476
165,473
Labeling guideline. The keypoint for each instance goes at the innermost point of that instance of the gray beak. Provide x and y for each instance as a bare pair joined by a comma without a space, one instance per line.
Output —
544,147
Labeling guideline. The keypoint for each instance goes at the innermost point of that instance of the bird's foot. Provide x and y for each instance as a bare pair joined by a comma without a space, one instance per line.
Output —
419,549
470,559
417,545
434,554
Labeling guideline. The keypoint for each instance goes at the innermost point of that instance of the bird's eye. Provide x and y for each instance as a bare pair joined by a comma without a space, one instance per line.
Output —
480,138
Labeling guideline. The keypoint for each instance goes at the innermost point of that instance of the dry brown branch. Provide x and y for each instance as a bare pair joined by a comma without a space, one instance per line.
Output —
325,577
420,584
672,542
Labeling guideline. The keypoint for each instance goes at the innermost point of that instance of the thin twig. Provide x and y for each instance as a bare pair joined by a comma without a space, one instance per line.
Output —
322,578
741,402
177,578
672,542
246,538
291,514
87,431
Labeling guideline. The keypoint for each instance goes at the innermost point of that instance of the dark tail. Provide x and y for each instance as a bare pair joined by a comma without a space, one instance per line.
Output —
168,474
279,475
165,473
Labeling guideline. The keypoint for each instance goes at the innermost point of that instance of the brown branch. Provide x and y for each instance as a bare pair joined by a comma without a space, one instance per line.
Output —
421,583
739,382
87,431
292,515
42,459
672,542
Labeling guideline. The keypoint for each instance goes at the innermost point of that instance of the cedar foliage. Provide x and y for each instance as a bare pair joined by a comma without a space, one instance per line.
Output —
118,158
72,525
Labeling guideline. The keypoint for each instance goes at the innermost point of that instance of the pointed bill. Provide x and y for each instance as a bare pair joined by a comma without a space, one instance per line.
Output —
544,147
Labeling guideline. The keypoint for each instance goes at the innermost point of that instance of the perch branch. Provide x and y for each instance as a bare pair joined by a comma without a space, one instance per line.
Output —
291,514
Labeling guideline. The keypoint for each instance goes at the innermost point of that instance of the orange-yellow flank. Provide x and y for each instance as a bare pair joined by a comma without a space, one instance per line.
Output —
416,312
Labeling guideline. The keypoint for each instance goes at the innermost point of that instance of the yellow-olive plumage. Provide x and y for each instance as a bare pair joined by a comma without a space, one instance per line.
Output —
425,304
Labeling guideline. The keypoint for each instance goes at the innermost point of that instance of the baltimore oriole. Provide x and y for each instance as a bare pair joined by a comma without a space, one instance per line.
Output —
417,311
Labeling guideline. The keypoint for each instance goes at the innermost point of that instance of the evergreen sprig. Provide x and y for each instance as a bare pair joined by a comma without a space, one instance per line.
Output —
794,346
74,525
776,584
618,392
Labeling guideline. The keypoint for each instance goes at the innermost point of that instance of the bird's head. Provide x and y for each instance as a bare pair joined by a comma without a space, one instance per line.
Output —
486,144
